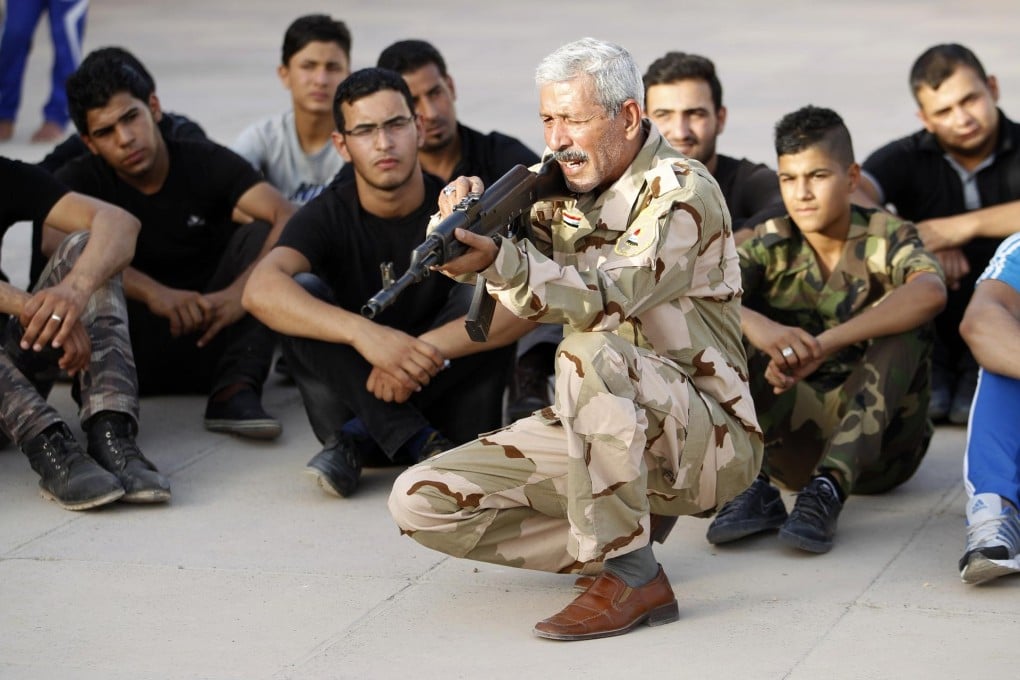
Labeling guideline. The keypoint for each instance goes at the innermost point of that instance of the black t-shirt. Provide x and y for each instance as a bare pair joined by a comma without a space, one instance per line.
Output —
187,224
914,176
26,193
345,246
490,156
751,190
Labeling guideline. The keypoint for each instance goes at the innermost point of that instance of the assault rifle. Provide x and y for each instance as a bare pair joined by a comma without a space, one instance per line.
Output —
502,209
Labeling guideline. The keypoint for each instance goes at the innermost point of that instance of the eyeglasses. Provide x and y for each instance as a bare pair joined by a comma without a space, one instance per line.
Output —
391,126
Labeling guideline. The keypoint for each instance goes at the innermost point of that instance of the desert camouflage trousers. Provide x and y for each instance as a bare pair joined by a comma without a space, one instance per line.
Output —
872,430
564,490
26,377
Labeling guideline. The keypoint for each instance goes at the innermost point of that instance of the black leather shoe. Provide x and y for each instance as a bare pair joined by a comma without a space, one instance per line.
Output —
337,468
68,476
757,508
812,522
242,414
111,438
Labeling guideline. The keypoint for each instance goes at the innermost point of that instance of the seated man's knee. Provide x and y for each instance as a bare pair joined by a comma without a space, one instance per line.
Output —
72,246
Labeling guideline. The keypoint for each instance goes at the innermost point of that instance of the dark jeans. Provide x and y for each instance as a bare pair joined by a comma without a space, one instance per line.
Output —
240,353
461,401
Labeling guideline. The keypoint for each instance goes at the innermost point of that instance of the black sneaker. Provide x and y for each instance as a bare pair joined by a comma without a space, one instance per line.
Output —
529,390
111,438
812,522
434,445
758,508
337,468
68,476
242,414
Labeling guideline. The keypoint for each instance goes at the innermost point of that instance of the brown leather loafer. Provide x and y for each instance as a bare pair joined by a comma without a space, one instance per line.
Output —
611,607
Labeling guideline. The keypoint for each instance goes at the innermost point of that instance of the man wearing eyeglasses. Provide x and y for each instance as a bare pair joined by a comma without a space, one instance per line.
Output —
404,385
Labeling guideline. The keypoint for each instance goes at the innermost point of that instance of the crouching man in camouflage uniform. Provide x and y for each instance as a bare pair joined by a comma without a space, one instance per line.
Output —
75,320
653,415
837,304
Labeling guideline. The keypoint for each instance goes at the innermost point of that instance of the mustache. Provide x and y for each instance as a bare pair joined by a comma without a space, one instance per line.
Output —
570,156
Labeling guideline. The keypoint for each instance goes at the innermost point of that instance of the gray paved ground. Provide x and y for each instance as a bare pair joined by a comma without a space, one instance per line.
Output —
251,572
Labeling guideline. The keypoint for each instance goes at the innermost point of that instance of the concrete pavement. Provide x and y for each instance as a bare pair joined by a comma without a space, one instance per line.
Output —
253,572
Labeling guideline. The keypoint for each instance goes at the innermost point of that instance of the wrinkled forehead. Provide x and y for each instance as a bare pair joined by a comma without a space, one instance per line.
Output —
569,97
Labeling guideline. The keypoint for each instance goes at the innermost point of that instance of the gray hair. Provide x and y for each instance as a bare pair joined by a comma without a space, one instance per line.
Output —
615,75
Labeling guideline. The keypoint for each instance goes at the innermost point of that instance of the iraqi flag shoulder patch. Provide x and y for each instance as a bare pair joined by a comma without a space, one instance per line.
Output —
635,241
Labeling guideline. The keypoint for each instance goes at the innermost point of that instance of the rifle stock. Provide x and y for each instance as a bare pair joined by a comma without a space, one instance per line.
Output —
500,210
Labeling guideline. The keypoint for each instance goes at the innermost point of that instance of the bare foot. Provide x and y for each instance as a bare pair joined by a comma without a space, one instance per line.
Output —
48,132
6,130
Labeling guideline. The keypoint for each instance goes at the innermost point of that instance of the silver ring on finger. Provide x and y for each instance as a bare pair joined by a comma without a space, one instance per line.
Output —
449,190
57,318
787,352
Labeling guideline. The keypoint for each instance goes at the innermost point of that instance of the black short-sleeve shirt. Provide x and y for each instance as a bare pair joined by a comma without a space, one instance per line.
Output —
345,246
913,175
26,193
187,224
750,190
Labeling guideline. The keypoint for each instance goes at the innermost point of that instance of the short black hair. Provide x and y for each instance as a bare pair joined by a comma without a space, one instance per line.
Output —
814,126
677,66
101,75
406,56
364,82
118,52
937,63
315,28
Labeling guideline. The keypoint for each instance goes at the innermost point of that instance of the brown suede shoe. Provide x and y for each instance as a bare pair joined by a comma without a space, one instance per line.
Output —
611,607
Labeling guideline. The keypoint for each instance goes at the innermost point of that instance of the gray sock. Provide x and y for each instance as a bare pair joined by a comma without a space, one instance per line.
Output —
636,568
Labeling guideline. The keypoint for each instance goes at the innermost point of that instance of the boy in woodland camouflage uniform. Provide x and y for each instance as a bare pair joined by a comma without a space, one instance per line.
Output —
653,413
836,310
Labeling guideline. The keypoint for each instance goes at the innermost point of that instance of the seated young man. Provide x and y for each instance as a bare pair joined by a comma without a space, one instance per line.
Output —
991,465
293,149
188,329
836,310
171,125
375,385
74,321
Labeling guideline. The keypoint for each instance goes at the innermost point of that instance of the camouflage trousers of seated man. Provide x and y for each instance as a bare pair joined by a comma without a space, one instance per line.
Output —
562,494
871,430
107,384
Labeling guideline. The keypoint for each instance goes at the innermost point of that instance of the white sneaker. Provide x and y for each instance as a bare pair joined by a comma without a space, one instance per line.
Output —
993,539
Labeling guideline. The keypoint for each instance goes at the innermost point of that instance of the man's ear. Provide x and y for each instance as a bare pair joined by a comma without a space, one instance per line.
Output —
419,128
924,120
720,117
88,142
154,106
993,86
453,88
853,173
284,75
631,112
340,144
